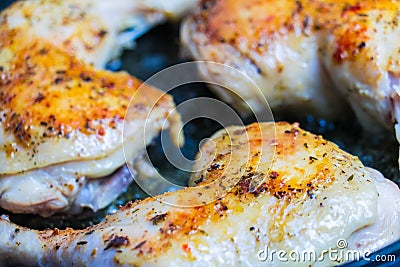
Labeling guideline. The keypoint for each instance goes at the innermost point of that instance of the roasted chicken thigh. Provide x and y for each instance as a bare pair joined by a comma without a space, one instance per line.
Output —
297,192
95,31
308,55
62,120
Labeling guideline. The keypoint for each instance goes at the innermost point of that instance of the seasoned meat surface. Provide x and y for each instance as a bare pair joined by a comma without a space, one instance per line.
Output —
298,192
64,122
308,56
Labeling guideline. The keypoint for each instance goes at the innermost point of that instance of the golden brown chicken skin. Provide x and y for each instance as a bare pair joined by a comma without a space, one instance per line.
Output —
306,56
47,93
95,31
253,24
62,125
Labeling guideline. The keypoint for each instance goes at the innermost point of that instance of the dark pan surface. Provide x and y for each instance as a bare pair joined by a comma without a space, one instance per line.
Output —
159,49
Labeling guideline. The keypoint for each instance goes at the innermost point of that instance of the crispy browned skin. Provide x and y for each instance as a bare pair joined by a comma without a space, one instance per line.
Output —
47,87
62,121
307,57
44,87
262,21
48,94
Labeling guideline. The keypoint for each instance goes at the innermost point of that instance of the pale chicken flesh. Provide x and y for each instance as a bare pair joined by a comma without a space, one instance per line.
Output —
310,56
62,120
297,192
